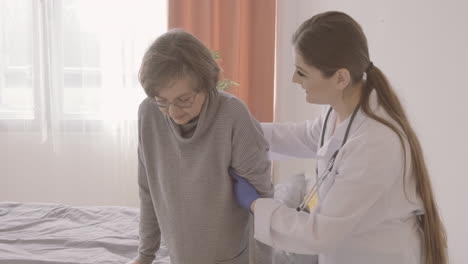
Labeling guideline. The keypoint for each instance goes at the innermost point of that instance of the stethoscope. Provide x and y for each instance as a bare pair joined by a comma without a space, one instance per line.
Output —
319,180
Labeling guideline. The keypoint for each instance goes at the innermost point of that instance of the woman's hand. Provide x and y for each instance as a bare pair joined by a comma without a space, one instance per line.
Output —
245,192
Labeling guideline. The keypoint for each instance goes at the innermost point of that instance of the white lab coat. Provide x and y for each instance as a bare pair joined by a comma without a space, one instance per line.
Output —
363,215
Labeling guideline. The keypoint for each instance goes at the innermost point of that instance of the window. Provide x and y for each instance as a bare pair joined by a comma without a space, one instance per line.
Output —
74,59
16,60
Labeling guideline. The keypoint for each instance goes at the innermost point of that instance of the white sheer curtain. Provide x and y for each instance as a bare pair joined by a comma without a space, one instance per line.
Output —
69,93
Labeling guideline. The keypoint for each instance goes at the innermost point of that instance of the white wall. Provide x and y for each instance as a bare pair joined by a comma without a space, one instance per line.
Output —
289,98
89,169
421,46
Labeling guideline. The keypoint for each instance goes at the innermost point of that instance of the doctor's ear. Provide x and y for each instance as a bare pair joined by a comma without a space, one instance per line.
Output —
342,78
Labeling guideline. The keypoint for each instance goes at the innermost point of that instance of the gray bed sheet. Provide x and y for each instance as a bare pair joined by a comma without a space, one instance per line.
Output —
56,233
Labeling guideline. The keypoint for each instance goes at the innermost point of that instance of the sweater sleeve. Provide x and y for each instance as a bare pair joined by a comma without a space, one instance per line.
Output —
150,234
250,152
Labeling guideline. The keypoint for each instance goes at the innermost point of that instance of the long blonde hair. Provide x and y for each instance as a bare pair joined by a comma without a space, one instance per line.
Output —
333,40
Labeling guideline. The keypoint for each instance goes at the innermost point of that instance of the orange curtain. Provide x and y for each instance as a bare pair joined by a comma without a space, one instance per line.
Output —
243,31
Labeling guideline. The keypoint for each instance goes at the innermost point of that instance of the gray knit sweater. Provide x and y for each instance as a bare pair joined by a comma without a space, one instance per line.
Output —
186,193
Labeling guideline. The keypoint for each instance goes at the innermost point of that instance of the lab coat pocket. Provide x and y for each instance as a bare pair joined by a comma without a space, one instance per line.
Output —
240,258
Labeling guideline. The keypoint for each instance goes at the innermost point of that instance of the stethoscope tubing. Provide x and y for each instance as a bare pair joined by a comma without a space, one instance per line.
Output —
319,181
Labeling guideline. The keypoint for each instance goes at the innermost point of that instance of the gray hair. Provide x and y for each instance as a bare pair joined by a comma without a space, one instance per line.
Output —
175,55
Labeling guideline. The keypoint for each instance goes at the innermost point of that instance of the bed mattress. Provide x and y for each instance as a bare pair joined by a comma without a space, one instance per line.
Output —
56,233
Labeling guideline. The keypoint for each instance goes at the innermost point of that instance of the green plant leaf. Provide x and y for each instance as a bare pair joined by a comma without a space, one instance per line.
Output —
223,84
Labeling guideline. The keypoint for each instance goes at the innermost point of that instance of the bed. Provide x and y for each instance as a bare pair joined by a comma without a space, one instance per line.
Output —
55,233
43,233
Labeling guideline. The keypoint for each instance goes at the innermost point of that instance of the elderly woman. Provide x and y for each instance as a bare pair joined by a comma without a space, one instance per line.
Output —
189,134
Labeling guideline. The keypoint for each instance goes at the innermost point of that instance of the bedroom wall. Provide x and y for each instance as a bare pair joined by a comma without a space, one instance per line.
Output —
421,46
90,169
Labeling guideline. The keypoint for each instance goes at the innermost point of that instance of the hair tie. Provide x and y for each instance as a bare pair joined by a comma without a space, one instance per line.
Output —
370,66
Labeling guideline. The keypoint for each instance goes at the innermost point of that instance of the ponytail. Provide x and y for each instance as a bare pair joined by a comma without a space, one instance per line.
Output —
434,234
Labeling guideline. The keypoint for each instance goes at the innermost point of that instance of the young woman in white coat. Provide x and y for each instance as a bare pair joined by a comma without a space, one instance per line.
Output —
373,201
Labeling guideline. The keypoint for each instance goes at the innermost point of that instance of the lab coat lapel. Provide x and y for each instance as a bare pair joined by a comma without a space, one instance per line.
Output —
332,142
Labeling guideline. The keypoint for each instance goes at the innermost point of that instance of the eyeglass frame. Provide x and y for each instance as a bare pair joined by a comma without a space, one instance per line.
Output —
176,102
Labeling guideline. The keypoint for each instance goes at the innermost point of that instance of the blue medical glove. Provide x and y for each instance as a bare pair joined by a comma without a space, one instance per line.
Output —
245,192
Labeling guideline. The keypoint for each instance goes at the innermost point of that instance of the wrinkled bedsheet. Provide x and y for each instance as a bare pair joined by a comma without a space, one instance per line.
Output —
58,234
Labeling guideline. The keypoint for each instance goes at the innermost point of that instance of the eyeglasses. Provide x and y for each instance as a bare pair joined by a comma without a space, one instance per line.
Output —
179,102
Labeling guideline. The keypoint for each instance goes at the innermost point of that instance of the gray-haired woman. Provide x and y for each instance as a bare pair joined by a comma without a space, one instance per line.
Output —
189,134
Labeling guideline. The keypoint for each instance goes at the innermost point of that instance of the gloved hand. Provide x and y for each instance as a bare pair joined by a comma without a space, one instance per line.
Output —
245,192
